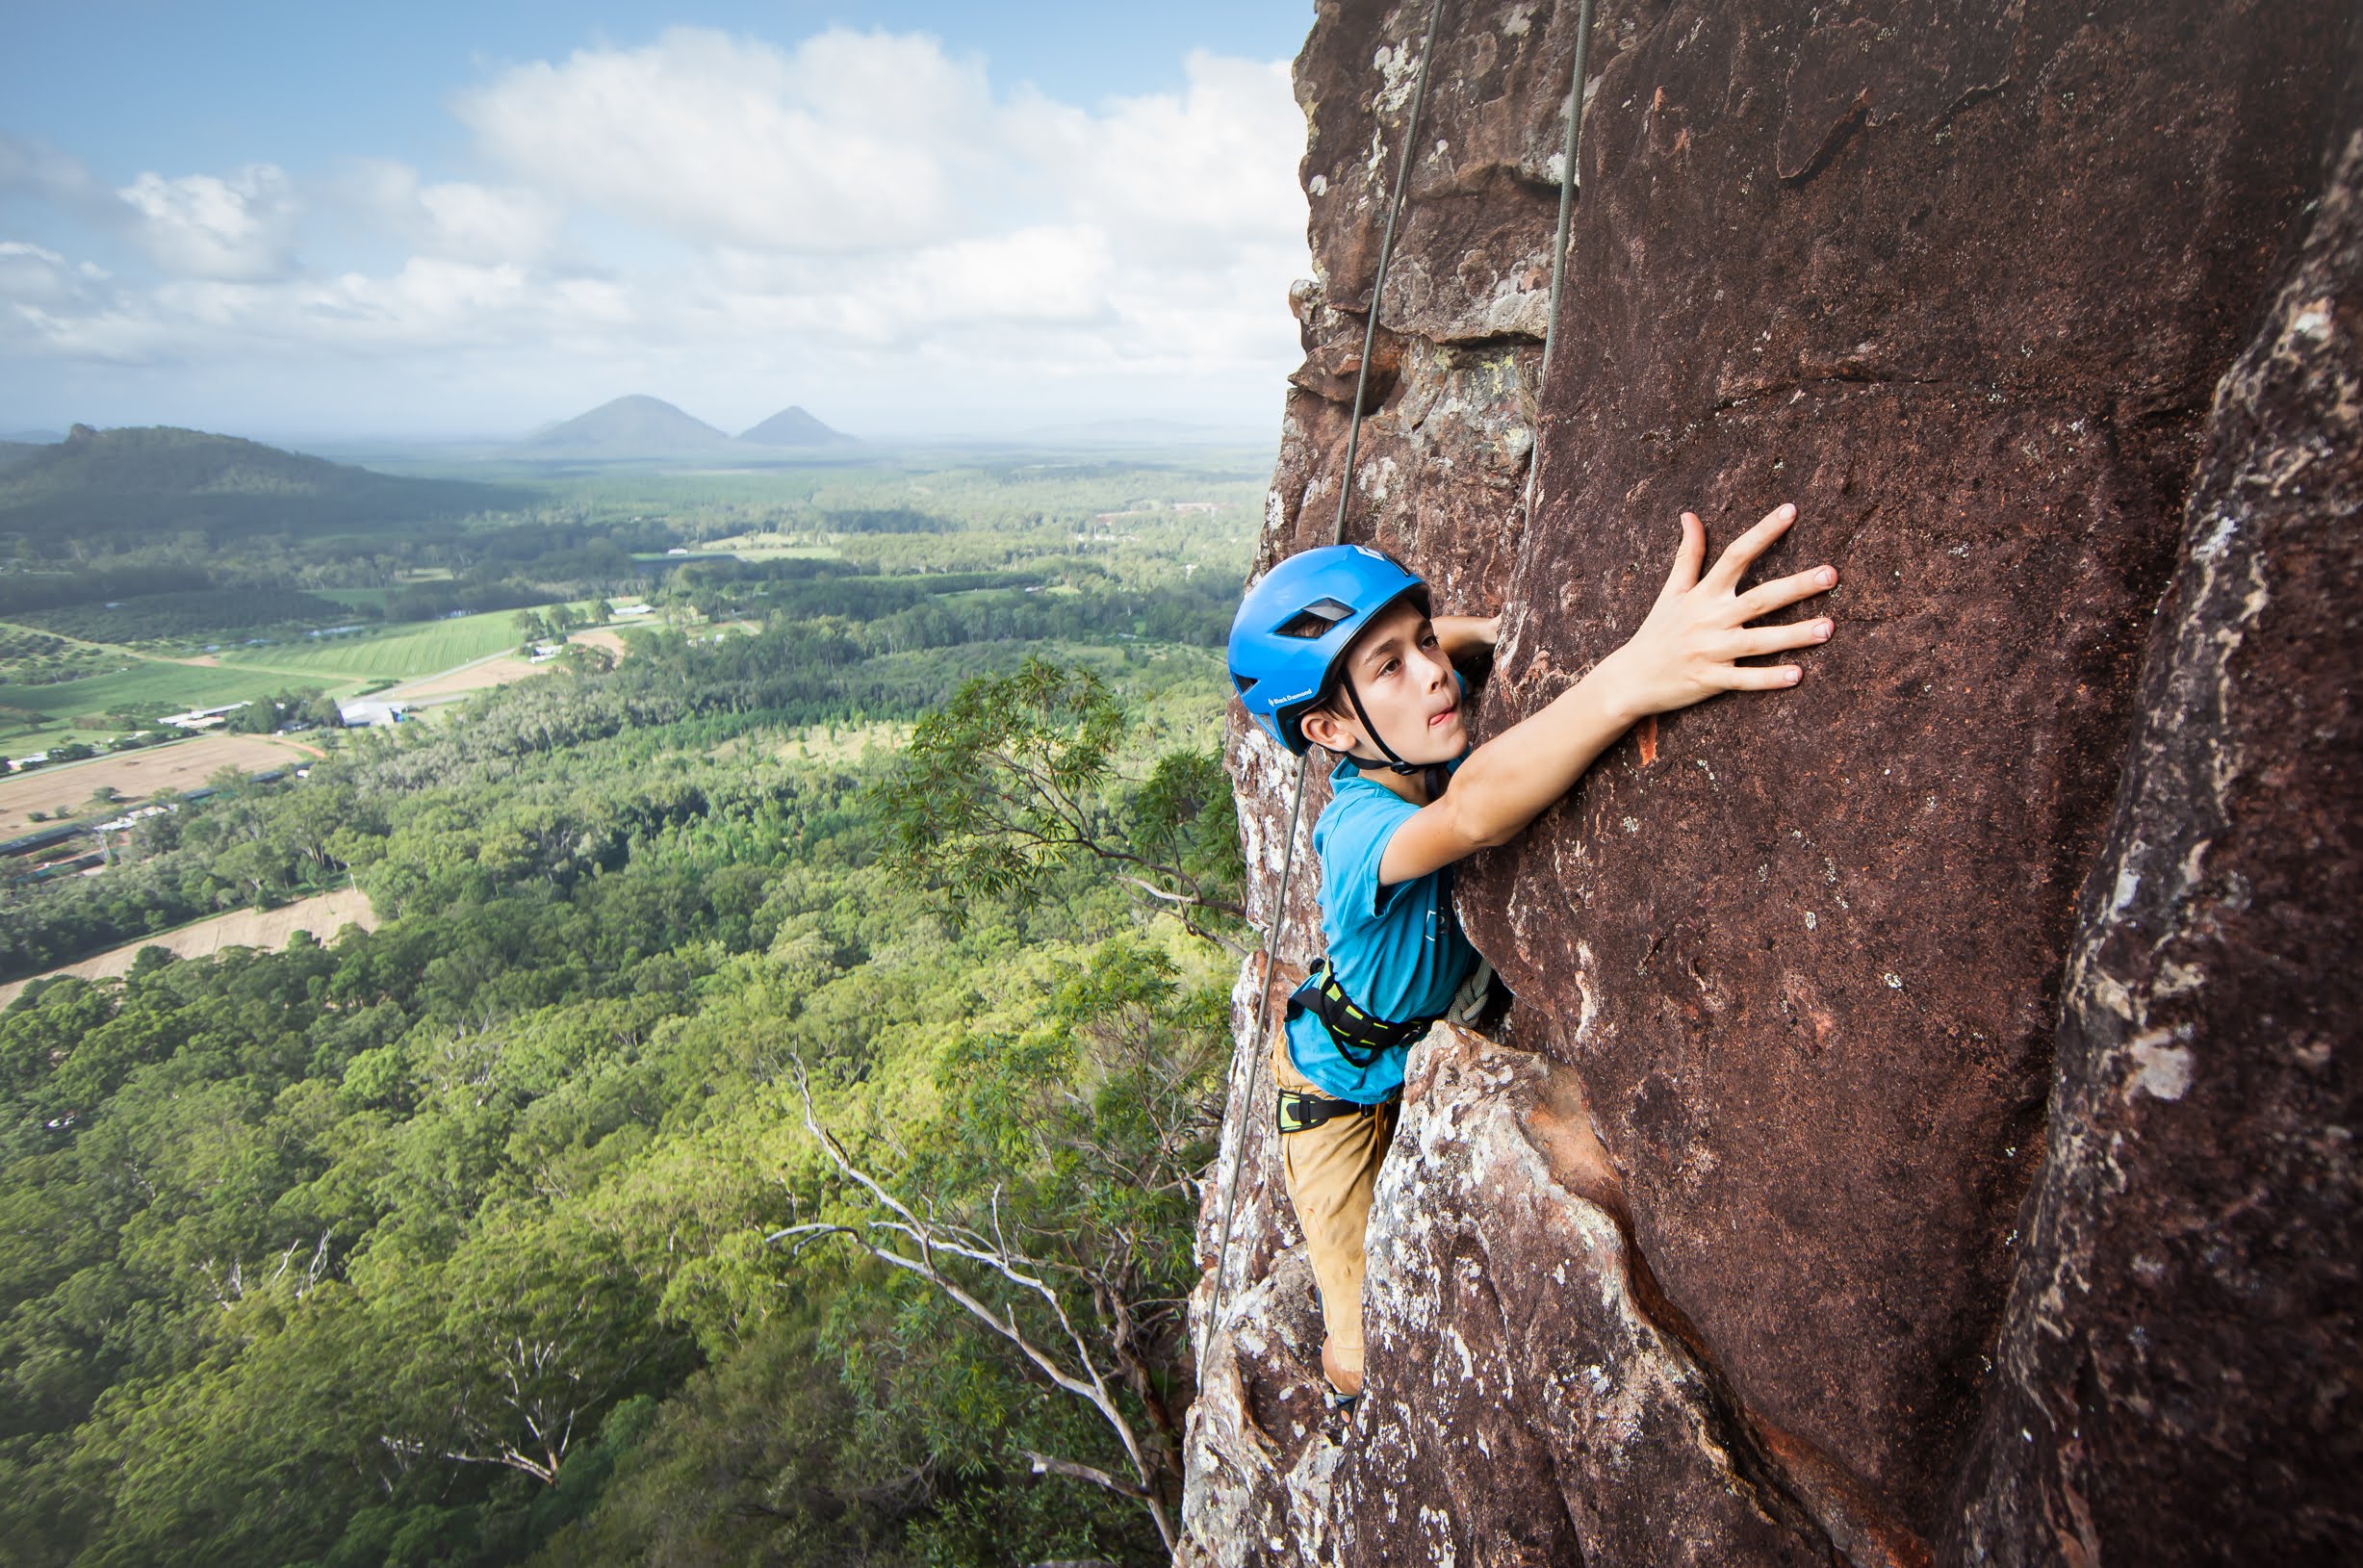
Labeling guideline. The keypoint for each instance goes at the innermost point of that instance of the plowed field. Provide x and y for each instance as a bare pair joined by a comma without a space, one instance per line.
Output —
324,915
184,765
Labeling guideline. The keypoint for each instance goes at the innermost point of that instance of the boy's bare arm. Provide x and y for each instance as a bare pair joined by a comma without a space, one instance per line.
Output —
1685,653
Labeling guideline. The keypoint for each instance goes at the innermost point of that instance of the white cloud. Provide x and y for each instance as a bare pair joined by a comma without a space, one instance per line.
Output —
859,216
457,219
203,226
32,274
1045,275
42,293
1207,170
848,141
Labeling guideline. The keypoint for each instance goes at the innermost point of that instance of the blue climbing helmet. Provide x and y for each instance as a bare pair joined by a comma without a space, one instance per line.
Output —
1296,624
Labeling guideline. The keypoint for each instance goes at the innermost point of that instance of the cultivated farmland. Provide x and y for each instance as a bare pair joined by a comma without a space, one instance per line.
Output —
491,672
137,775
157,687
387,655
36,717
324,915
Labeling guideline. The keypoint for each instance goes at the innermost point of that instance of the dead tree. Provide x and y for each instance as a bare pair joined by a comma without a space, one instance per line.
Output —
903,1240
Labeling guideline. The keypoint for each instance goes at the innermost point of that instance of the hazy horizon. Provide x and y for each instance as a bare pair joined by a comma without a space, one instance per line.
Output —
916,221
1103,427
942,424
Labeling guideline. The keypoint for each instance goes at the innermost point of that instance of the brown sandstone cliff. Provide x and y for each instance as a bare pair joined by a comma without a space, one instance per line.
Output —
1924,1127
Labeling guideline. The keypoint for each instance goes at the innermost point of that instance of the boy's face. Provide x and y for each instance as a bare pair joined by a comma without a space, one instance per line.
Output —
1406,687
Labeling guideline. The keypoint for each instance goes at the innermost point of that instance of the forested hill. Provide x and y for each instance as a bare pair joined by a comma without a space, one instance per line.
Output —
125,488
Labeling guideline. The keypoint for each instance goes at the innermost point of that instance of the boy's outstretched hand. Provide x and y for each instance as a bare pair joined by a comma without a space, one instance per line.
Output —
1685,651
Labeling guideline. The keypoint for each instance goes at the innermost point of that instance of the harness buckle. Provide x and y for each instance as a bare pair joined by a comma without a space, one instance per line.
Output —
1300,1112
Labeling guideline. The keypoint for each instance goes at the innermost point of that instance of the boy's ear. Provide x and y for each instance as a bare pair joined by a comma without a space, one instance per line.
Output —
1330,732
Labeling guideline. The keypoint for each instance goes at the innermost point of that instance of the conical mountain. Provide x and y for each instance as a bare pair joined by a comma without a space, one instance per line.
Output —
634,426
792,426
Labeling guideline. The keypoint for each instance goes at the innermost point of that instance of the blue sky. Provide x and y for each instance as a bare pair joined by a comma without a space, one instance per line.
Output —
469,221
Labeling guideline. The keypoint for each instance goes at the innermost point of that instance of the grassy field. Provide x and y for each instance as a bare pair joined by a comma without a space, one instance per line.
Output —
34,718
477,677
157,684
389,654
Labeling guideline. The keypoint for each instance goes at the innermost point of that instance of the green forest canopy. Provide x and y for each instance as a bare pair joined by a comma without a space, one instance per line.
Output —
445,1242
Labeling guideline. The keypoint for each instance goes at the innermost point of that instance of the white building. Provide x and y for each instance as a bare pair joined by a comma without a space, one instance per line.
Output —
364,712
201,718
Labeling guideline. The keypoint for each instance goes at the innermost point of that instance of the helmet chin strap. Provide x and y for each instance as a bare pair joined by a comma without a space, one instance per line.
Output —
1437,777
1394,762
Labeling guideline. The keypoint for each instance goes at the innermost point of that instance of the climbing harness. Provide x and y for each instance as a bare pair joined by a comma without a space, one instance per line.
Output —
1360,1036
1353,438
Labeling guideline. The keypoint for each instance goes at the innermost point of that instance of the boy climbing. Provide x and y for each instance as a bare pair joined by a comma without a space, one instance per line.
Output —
1335,648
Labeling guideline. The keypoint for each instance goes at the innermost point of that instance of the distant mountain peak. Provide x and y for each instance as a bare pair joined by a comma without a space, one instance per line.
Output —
792,426
636,425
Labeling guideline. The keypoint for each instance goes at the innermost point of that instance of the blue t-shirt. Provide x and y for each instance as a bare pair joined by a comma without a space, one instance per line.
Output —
1396,950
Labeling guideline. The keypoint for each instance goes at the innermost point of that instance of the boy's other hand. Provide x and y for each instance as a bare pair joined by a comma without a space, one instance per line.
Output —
1465,633
1688,648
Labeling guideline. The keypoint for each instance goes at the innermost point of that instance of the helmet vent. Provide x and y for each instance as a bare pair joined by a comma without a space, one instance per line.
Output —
1314,620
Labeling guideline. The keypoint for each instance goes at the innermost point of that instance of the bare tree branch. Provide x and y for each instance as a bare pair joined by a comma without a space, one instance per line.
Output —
1215,904
1080,1376
1045,1465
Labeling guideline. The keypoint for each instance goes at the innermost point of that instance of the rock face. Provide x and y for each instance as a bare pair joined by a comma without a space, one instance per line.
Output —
1854,1189
2186,1309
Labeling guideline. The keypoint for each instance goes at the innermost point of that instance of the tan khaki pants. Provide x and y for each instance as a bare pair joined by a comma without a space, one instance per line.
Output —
1332,1171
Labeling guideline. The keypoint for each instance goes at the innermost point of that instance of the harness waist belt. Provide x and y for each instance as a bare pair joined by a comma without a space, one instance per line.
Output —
1300,1113
1359,1035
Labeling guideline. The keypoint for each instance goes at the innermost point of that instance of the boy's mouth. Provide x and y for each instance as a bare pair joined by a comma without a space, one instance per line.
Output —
1446,717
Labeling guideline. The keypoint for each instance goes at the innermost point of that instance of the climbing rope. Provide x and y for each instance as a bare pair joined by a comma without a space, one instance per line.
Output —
1353,436
1558,245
